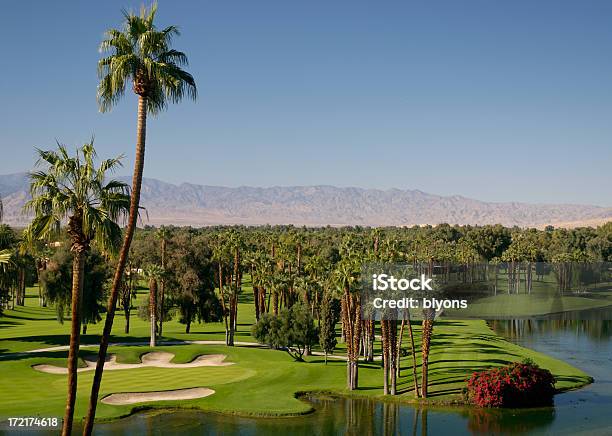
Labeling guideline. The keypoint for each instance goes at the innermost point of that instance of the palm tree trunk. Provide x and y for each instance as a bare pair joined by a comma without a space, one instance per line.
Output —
153,310
78,267
426,332
392,355
384,333
127,321
162,288
414,362
232,322
123,255
21,299
356,337
223,307
372,337
38,270
345,327
399,345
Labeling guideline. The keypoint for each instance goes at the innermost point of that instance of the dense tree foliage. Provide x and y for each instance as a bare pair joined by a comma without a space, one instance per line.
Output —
56,281
329,317
292,330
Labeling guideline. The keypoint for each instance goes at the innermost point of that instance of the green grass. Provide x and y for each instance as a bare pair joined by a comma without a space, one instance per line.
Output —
544,299
261,382
522,305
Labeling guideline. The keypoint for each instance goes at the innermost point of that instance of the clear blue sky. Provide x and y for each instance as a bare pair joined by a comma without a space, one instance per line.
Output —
496,100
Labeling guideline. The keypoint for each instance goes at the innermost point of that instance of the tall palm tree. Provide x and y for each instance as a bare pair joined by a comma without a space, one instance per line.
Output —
71,188
140,54
346,275
426,334
235,243
155,274
219,255
163,234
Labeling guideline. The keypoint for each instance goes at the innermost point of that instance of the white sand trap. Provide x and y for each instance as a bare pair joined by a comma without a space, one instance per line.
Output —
157,359
144,397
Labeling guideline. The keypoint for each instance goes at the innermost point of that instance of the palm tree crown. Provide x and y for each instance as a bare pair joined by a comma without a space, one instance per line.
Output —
73,189
142,54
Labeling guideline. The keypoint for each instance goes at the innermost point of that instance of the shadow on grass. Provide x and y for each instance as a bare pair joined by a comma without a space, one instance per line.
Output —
572,379
219,332
60,354
6,324
443,323
30,318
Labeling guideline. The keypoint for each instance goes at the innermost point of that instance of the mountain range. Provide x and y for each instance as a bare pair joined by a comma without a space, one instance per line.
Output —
198,205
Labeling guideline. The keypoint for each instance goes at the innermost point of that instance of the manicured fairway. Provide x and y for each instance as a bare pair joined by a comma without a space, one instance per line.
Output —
544,298
523,305
262,381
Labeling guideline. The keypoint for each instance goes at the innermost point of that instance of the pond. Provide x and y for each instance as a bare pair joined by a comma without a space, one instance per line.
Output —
585,344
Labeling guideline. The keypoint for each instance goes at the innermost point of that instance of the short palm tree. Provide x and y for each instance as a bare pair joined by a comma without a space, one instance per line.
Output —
71,189
139,54
5,254
5,257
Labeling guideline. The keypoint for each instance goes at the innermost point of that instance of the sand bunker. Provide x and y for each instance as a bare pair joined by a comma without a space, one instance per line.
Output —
142,397
158,359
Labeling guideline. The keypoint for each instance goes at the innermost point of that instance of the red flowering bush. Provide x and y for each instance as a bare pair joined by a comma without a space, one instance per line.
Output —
520,384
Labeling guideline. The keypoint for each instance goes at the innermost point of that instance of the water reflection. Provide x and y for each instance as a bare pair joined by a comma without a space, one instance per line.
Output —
334,416
339,416
495,421
595,325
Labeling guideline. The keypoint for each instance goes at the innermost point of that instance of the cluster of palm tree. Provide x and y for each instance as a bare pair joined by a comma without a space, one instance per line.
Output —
288,265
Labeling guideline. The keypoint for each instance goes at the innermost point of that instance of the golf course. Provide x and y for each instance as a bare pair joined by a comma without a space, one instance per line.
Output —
306,218
261,381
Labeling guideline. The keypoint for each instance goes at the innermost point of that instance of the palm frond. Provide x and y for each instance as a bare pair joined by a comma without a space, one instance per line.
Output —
5,256
72,186
140,51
